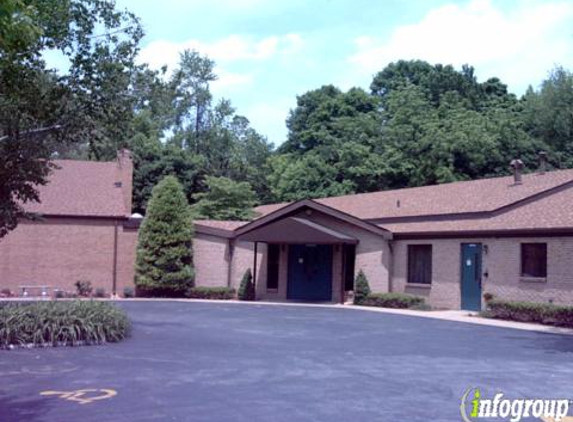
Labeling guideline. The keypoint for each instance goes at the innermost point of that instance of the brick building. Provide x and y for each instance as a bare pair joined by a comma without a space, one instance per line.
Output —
84,232
510,236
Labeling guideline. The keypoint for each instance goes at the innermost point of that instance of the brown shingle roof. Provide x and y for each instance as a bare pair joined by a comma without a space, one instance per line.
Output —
81,188
552,212
221,224
445,199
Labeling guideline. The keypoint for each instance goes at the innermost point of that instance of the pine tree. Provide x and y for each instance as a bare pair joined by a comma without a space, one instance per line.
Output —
361,288
164,264
247,288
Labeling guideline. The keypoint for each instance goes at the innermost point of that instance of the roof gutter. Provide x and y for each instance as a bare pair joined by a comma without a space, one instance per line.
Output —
537,232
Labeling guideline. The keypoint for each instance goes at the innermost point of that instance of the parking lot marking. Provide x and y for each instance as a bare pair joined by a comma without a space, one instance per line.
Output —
84,396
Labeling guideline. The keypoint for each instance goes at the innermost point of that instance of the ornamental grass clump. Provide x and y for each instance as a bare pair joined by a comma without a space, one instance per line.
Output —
61,324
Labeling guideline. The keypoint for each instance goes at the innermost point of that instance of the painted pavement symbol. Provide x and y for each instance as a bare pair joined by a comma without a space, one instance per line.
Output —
84,396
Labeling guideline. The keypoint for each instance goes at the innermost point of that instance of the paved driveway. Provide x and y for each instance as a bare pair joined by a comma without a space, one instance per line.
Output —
234,362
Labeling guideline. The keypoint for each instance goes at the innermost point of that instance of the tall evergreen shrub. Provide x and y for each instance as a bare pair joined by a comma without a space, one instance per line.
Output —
164,264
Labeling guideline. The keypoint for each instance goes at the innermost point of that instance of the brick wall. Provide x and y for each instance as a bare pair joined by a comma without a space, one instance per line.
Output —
211,260
502,262
373,256
444,292
243,259
60,251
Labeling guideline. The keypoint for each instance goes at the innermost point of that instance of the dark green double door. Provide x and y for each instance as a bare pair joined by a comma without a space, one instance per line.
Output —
310,273
471,276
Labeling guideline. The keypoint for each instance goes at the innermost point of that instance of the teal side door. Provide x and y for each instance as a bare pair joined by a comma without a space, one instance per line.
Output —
310,272
471,276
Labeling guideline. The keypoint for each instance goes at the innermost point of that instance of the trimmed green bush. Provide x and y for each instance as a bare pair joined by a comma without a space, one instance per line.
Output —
542,313
361,288
164,265
62,323
219,293
128,292
393,300
247,288
83,287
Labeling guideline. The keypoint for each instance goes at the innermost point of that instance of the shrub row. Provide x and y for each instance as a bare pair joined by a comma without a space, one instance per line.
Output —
61,323
219,293
364,296
393,300
542,313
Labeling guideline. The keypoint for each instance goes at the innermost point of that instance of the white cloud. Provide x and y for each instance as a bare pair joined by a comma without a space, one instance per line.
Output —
269,118
229,80
519,46
225,52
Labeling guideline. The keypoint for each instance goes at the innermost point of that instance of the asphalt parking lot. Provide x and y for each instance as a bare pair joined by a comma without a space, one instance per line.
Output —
235,362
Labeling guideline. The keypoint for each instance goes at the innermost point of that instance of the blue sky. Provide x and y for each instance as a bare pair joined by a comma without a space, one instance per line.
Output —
269,51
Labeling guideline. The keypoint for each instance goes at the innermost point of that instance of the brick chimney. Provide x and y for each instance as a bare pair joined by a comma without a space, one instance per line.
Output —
125,177
517,167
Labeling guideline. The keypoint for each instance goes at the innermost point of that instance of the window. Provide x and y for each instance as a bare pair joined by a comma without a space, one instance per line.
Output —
534,259
273,258
349,263
420,264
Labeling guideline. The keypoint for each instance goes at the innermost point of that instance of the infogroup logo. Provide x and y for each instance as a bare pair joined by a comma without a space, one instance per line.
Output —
474,406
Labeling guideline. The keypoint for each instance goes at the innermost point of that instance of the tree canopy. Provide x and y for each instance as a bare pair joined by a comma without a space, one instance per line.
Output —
225,199
419,124
42,112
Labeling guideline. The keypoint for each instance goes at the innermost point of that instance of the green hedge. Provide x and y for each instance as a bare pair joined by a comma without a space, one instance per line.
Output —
542,313
393,300
220,293
62,324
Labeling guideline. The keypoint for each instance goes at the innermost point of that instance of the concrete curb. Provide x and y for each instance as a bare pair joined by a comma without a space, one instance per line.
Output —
455,316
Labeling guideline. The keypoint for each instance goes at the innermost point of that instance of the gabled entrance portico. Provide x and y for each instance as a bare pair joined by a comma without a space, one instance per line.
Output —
312,239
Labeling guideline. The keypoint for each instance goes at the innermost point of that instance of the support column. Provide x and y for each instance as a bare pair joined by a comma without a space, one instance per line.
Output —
255,267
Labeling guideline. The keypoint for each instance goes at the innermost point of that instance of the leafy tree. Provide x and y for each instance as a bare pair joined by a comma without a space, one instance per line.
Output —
309,176
325,116
179,131
247,288
164,265
548,113
192,96
434,81
330,148
43,113
425,145
154,160
225,199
